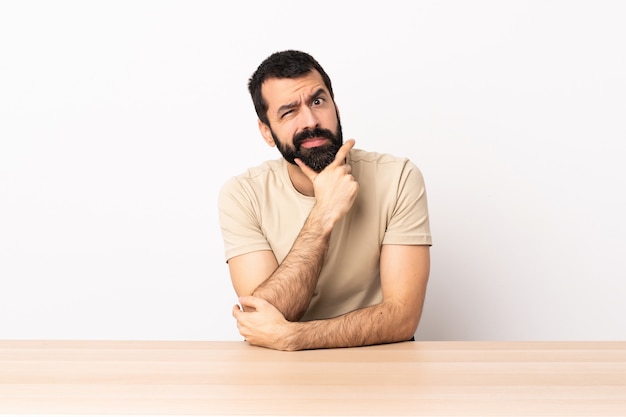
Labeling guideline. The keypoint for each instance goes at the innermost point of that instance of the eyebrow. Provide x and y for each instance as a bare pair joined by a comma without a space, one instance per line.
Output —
294,104
286,107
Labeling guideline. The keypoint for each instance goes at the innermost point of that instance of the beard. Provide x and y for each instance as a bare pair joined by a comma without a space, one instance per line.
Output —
316,158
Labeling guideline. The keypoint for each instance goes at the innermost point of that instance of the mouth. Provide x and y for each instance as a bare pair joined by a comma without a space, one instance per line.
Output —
313,142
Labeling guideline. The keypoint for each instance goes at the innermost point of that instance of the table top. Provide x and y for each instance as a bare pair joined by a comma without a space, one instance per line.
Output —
233,378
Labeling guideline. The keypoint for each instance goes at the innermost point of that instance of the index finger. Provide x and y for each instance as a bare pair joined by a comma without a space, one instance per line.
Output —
342,153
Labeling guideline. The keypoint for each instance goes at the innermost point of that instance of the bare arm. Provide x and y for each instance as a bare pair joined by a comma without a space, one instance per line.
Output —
404,276
290,285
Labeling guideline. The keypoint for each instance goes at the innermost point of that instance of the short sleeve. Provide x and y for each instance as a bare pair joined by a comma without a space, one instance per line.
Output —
239,220
409,221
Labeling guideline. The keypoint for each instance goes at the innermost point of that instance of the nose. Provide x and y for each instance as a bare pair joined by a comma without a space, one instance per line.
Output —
308,118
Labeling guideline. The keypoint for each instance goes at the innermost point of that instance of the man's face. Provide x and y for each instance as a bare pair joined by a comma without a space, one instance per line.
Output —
304,122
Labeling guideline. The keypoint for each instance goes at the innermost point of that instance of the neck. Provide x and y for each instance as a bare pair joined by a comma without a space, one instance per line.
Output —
301,182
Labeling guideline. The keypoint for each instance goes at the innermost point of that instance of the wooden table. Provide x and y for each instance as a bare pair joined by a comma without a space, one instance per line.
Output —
233,378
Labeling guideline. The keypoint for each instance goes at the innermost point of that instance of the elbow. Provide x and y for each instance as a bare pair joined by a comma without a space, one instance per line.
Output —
388,325
406,324
406,330
289,312
293,316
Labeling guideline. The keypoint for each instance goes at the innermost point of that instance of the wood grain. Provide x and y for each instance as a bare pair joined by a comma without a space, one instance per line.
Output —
233,378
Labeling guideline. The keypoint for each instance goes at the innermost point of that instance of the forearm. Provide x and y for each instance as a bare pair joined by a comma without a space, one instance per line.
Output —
291,286
382,323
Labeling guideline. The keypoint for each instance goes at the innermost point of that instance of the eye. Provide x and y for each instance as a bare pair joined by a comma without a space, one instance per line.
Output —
318,101
287,113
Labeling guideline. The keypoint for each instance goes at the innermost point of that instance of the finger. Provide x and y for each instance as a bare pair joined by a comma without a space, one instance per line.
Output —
310,173
342,153
253,302
340,158
236,311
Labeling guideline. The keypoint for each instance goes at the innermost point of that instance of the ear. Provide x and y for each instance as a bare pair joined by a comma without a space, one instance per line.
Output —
266,132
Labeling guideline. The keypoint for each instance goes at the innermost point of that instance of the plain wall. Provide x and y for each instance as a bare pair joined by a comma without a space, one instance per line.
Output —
120,120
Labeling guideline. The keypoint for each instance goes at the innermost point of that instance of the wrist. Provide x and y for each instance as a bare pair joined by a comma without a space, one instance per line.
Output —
290,336
321,220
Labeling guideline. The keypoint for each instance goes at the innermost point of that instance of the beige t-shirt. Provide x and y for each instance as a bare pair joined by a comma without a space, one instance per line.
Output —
261,210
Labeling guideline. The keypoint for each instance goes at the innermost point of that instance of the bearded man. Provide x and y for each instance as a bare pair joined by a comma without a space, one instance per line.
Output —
328,246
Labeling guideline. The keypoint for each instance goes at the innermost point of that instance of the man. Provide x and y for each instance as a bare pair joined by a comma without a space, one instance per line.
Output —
329,245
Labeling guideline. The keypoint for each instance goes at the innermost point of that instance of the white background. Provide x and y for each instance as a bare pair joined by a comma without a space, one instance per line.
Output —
120,120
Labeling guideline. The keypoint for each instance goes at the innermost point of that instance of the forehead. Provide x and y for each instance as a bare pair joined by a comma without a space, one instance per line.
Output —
281,91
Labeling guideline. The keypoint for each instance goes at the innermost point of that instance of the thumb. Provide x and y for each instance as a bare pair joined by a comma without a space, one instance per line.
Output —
307,170
342,153
252,302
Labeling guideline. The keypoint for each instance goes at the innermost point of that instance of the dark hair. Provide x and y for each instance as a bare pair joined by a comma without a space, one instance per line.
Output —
285,64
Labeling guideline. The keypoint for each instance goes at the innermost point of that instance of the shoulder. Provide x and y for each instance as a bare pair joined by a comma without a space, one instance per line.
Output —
259,172
254,178
364,162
